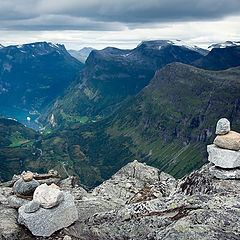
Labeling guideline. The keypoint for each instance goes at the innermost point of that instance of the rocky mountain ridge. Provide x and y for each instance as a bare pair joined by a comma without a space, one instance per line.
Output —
141,202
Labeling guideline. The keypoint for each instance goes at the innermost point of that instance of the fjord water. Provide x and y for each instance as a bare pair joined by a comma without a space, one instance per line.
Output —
21,116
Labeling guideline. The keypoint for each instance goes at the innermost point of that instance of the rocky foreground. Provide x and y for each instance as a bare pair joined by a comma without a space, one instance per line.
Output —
139,202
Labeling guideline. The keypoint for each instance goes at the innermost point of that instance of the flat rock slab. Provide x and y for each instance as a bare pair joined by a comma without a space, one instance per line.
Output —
223,158
224,174
45,222
229,141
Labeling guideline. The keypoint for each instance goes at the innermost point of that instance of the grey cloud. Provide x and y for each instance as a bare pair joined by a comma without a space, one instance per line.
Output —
108,14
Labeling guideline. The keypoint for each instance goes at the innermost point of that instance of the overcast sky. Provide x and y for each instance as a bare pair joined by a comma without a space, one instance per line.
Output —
118,23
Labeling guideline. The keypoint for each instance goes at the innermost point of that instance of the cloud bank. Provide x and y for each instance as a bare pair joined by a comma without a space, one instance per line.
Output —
106,15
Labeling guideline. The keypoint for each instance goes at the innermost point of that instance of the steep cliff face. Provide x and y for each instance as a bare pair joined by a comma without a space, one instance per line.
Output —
32,75
141,202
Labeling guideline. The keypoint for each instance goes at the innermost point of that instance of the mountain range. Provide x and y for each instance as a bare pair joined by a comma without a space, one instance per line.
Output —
111,75
156,103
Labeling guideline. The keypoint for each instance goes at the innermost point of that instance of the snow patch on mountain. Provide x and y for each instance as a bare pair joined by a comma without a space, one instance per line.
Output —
224,45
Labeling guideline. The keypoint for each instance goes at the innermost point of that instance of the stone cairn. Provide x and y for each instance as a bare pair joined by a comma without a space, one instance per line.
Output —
50,210
224,152
42,208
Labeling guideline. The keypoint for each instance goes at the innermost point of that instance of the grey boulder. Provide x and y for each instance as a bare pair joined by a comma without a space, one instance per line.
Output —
223,158
45,222
223,126
25,188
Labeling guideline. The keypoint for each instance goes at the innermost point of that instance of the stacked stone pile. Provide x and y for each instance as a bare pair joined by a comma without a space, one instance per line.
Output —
23,190
224,152
50,210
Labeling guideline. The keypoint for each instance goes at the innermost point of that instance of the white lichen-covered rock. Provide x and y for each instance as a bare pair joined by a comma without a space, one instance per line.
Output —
47,196
44,222
223,158
229,141
223,126
126,184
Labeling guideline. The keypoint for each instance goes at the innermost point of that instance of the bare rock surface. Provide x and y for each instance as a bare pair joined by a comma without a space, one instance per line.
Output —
223,158
229,141
201,207
223,126
47,196
140,202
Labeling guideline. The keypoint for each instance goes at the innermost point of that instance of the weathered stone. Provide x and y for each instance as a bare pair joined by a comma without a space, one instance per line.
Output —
31,207
25,188
45,222
27,177
223,126
223,158
225,174
229,141
16,202
47,197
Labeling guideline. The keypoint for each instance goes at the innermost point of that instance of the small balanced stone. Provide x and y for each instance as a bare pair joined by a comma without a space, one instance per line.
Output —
223,126
31,207
27,177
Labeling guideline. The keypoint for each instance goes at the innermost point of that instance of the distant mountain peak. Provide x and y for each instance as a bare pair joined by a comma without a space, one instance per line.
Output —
1,46
224,44
160,44
81,54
